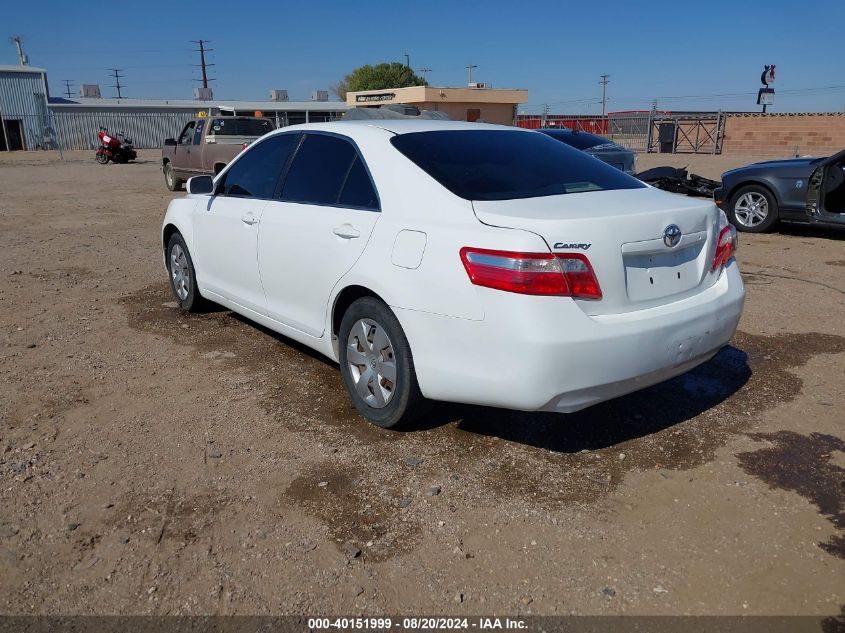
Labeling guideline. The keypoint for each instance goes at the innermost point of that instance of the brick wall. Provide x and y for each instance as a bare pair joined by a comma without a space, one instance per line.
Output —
780,134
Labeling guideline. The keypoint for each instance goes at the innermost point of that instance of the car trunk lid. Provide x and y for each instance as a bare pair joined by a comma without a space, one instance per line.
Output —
622,234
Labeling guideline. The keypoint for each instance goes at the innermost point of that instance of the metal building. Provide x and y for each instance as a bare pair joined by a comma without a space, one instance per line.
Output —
24,117
30,119
148,122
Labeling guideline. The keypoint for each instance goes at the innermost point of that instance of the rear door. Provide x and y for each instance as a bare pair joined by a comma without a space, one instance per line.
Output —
226,226
315,232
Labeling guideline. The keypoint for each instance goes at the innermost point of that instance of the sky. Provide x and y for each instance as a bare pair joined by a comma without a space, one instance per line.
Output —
688,56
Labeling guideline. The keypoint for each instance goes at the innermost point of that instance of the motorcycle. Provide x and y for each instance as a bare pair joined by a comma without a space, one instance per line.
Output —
117,149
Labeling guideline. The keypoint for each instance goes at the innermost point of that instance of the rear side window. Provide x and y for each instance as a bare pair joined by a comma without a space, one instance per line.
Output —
327,170
256,173
358,189
240,127
508,165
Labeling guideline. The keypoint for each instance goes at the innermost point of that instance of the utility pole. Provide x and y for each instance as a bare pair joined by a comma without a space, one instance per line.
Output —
202,50
604,81
470,67
117,77
22,58
68,83
544,120
425,70
407,60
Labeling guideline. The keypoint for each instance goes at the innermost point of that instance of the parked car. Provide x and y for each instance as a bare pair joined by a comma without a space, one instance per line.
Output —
602,148
450,261
757,196
206,146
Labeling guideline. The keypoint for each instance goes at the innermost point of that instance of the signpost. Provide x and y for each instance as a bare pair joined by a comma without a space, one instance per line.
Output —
766,95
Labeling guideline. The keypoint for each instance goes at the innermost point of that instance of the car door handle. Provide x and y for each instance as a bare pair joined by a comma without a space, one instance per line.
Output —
249,219
346,231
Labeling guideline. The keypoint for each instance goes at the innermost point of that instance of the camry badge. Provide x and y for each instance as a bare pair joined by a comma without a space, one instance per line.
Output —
567,246
672,235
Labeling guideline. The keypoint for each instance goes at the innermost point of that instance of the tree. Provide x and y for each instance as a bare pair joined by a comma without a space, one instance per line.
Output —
378,77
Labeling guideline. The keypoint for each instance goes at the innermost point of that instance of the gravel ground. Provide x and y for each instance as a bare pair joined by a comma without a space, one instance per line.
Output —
159,463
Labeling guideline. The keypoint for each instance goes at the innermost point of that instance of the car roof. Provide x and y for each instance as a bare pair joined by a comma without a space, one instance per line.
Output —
395,126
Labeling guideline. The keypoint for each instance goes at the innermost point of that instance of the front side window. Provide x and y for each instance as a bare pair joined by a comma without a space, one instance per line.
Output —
187,133
507,165
328,170
256,172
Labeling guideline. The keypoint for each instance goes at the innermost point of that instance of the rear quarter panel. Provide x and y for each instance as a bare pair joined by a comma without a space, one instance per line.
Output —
413,201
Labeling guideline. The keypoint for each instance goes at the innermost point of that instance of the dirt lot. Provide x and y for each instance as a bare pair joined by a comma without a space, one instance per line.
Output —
152,462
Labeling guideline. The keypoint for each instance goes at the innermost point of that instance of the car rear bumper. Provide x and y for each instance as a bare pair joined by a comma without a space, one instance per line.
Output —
545,353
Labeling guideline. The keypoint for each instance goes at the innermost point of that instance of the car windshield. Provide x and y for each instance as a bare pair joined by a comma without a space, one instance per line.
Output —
578,140
507,165
240,127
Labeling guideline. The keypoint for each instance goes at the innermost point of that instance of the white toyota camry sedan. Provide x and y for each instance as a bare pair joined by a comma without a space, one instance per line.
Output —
463,262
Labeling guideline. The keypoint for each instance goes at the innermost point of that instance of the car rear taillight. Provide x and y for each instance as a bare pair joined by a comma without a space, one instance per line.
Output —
559,275
725,247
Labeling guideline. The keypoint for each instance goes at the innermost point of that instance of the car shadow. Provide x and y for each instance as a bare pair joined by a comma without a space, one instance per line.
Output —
836,233
609,423
616,421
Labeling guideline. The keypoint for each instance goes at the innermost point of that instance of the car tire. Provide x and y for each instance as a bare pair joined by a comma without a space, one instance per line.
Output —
753,209
183,278
173,183
377,366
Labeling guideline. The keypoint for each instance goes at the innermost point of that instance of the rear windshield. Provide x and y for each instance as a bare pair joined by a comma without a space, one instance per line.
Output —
507,165
240,127
578,140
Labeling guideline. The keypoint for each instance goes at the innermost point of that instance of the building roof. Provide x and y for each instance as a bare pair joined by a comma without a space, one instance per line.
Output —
11,68
435,94
195,104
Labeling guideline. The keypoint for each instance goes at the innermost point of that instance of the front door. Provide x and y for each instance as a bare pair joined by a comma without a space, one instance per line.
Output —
14,135
195,149
315,233
182,158
226,225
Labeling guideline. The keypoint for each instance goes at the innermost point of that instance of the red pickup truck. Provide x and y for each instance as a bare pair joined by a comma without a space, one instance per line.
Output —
206,145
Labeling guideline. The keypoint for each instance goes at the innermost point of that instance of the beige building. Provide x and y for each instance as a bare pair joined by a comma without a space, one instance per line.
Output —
460,104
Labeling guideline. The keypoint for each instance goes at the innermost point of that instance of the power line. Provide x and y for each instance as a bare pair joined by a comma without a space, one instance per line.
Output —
117,77
67,83
202,51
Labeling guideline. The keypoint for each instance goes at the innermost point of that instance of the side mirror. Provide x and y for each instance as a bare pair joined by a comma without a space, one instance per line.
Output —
170,141
200,185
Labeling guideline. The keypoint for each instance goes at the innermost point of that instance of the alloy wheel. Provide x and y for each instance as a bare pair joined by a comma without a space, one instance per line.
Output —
751,209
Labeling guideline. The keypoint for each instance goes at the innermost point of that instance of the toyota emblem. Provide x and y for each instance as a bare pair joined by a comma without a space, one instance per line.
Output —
672,235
